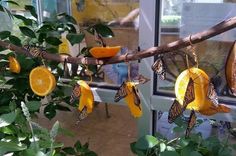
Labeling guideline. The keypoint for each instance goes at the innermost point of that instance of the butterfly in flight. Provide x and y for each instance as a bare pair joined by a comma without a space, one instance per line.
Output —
159,68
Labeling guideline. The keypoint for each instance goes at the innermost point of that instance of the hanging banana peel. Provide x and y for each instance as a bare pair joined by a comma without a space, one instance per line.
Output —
203,102
85,95
130,93
230,69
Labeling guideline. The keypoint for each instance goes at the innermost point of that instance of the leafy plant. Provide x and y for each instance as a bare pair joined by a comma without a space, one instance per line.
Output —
19,135
194,145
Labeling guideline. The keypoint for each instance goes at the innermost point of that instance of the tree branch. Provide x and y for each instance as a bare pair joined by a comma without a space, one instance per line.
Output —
179,44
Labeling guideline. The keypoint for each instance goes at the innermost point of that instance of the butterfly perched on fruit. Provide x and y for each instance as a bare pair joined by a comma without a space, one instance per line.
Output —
129,91
212,95
177,109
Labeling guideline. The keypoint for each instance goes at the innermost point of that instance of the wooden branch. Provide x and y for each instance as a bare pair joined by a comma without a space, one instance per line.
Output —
179,44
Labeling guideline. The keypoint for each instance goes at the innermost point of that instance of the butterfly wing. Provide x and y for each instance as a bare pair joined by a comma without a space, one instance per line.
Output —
189,94
191,123
142,79
82,114
121,93
212,95
175,111
137,100
158,68
76,92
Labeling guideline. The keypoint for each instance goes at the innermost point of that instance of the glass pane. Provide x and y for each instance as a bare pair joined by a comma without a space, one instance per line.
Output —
122,17
182,18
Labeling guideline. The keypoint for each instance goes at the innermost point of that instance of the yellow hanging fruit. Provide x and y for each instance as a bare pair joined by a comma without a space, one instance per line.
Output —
201,103
86,97
104,52
42,81
14,65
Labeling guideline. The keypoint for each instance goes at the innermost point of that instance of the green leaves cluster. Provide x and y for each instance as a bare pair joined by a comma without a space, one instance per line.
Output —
195,145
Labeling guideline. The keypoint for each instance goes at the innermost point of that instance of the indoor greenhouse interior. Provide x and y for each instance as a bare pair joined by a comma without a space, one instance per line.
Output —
118,77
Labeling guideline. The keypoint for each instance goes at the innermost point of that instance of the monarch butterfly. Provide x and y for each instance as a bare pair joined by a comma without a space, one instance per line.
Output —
175,111
75,93
137,100
34,51
189,94
121,93
212,95
191,123
159,68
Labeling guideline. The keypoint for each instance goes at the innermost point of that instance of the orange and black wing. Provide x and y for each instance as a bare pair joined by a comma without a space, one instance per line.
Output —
189,94
212,95
159,68
175,111
137,100
121,93
191,123
75,93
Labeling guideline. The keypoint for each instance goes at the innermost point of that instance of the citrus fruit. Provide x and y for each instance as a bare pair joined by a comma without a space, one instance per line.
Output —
42,81
14,65
201,83
103,52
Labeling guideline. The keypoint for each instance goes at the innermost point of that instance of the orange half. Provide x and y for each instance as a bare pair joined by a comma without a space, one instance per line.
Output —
201,83
42,81
14,65
104,52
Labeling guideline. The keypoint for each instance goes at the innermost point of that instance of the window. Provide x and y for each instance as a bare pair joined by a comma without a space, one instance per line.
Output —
195,16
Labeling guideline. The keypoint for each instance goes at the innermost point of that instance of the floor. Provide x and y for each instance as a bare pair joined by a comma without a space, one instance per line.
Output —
106,136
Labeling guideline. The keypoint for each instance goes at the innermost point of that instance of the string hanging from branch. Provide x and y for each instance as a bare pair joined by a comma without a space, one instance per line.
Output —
179,44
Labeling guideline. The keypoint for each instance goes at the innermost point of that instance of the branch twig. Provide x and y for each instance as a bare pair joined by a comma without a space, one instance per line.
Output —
179,44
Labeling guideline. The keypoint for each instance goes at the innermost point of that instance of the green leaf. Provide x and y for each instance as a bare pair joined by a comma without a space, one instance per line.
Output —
70,19
169,153
75,38
15,40
12,2
25,20
2,8
42,37
162,147
101,29
33,105
52,50
69,150
11,146
183,142
45,28
195,153
49,111
32,10
53,41
7,119
90,153
146,142
27,32
66,132
78,145
54,130
71,28
4,34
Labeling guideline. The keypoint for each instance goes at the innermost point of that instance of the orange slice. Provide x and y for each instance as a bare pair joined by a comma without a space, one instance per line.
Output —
14,65
201,83
42,81
103,52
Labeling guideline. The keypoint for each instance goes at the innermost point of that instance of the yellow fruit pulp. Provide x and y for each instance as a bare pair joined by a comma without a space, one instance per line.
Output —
129,99
201,83
86,98
14,65
42,81
104,52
